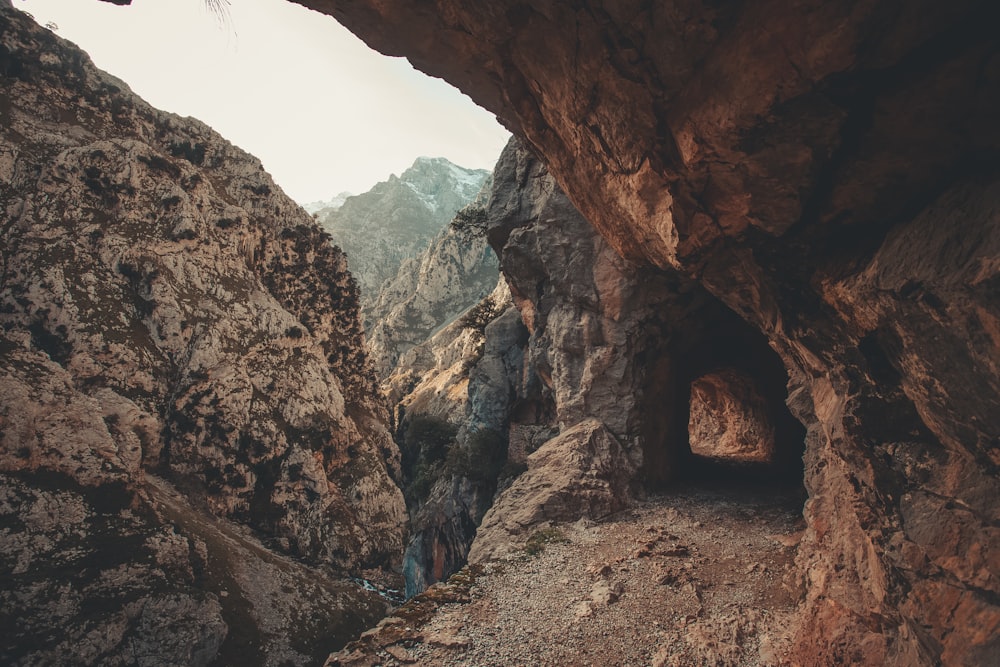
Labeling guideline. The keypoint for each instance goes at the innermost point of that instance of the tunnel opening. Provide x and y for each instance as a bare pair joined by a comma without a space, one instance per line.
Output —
716,409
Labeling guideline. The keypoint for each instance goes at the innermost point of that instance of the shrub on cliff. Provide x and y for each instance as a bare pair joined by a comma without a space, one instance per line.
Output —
481,458
482,314
427,438
470,221
425,444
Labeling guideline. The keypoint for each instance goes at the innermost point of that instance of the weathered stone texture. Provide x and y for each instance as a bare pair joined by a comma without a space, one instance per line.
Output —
826,169
166,309
582,472
729,418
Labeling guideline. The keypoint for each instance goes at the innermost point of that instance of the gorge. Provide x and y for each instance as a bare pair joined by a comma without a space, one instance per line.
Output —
825,170
781,212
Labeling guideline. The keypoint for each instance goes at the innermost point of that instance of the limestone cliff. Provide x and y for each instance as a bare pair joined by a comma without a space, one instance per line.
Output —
189,428
614,350
825,170
431,290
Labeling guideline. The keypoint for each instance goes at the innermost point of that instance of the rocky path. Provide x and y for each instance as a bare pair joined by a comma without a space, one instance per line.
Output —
694,578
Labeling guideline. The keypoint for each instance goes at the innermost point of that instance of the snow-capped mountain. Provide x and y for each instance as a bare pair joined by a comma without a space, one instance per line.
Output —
398,218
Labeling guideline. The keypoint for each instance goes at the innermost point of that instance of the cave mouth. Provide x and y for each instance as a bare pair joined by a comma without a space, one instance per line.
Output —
716,411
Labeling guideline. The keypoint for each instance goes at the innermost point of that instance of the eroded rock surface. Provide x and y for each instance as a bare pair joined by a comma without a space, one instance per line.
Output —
583,472
430,291
164,307
729,418
597,343
825,169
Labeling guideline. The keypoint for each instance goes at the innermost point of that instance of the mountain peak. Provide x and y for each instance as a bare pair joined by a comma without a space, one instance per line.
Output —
428,176
333,202
398,217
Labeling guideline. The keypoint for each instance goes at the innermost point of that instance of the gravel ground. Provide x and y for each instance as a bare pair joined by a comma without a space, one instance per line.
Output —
699,578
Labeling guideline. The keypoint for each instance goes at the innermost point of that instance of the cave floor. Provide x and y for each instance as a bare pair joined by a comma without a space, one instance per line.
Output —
701,576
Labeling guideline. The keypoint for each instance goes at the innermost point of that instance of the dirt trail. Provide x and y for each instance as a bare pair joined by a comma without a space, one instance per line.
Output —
699,577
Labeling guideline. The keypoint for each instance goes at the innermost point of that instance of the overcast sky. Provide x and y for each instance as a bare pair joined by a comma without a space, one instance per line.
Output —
322,111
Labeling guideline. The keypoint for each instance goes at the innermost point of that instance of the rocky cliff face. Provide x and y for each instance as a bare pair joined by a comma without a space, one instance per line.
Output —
614,351
459,384
397,219
430,290
171,321
825,171
598,348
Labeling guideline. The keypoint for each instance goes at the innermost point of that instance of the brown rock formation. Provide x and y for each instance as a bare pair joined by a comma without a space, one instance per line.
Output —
166,309
615,340
611,347
729,418
584,471
824,169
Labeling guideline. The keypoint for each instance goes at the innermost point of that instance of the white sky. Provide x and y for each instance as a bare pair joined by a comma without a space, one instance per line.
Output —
321,110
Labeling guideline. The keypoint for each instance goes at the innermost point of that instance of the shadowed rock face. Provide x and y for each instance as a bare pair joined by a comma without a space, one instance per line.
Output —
827,171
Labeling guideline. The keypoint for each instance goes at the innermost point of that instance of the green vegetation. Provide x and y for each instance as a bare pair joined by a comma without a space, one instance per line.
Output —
423,477
470,221
538,539
430,451
424,446
429,437
193,153
477,319
482,457
480,315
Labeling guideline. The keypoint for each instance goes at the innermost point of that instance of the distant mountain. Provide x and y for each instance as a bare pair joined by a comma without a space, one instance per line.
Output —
398,218
430,290
333,203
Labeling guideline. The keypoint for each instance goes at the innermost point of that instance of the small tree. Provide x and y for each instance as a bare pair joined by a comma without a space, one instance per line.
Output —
481,314
424,445
429,437
470,221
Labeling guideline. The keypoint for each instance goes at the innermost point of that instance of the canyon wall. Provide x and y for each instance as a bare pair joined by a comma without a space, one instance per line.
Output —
461,384
827,171
613,349
189,426
585,379
430,290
